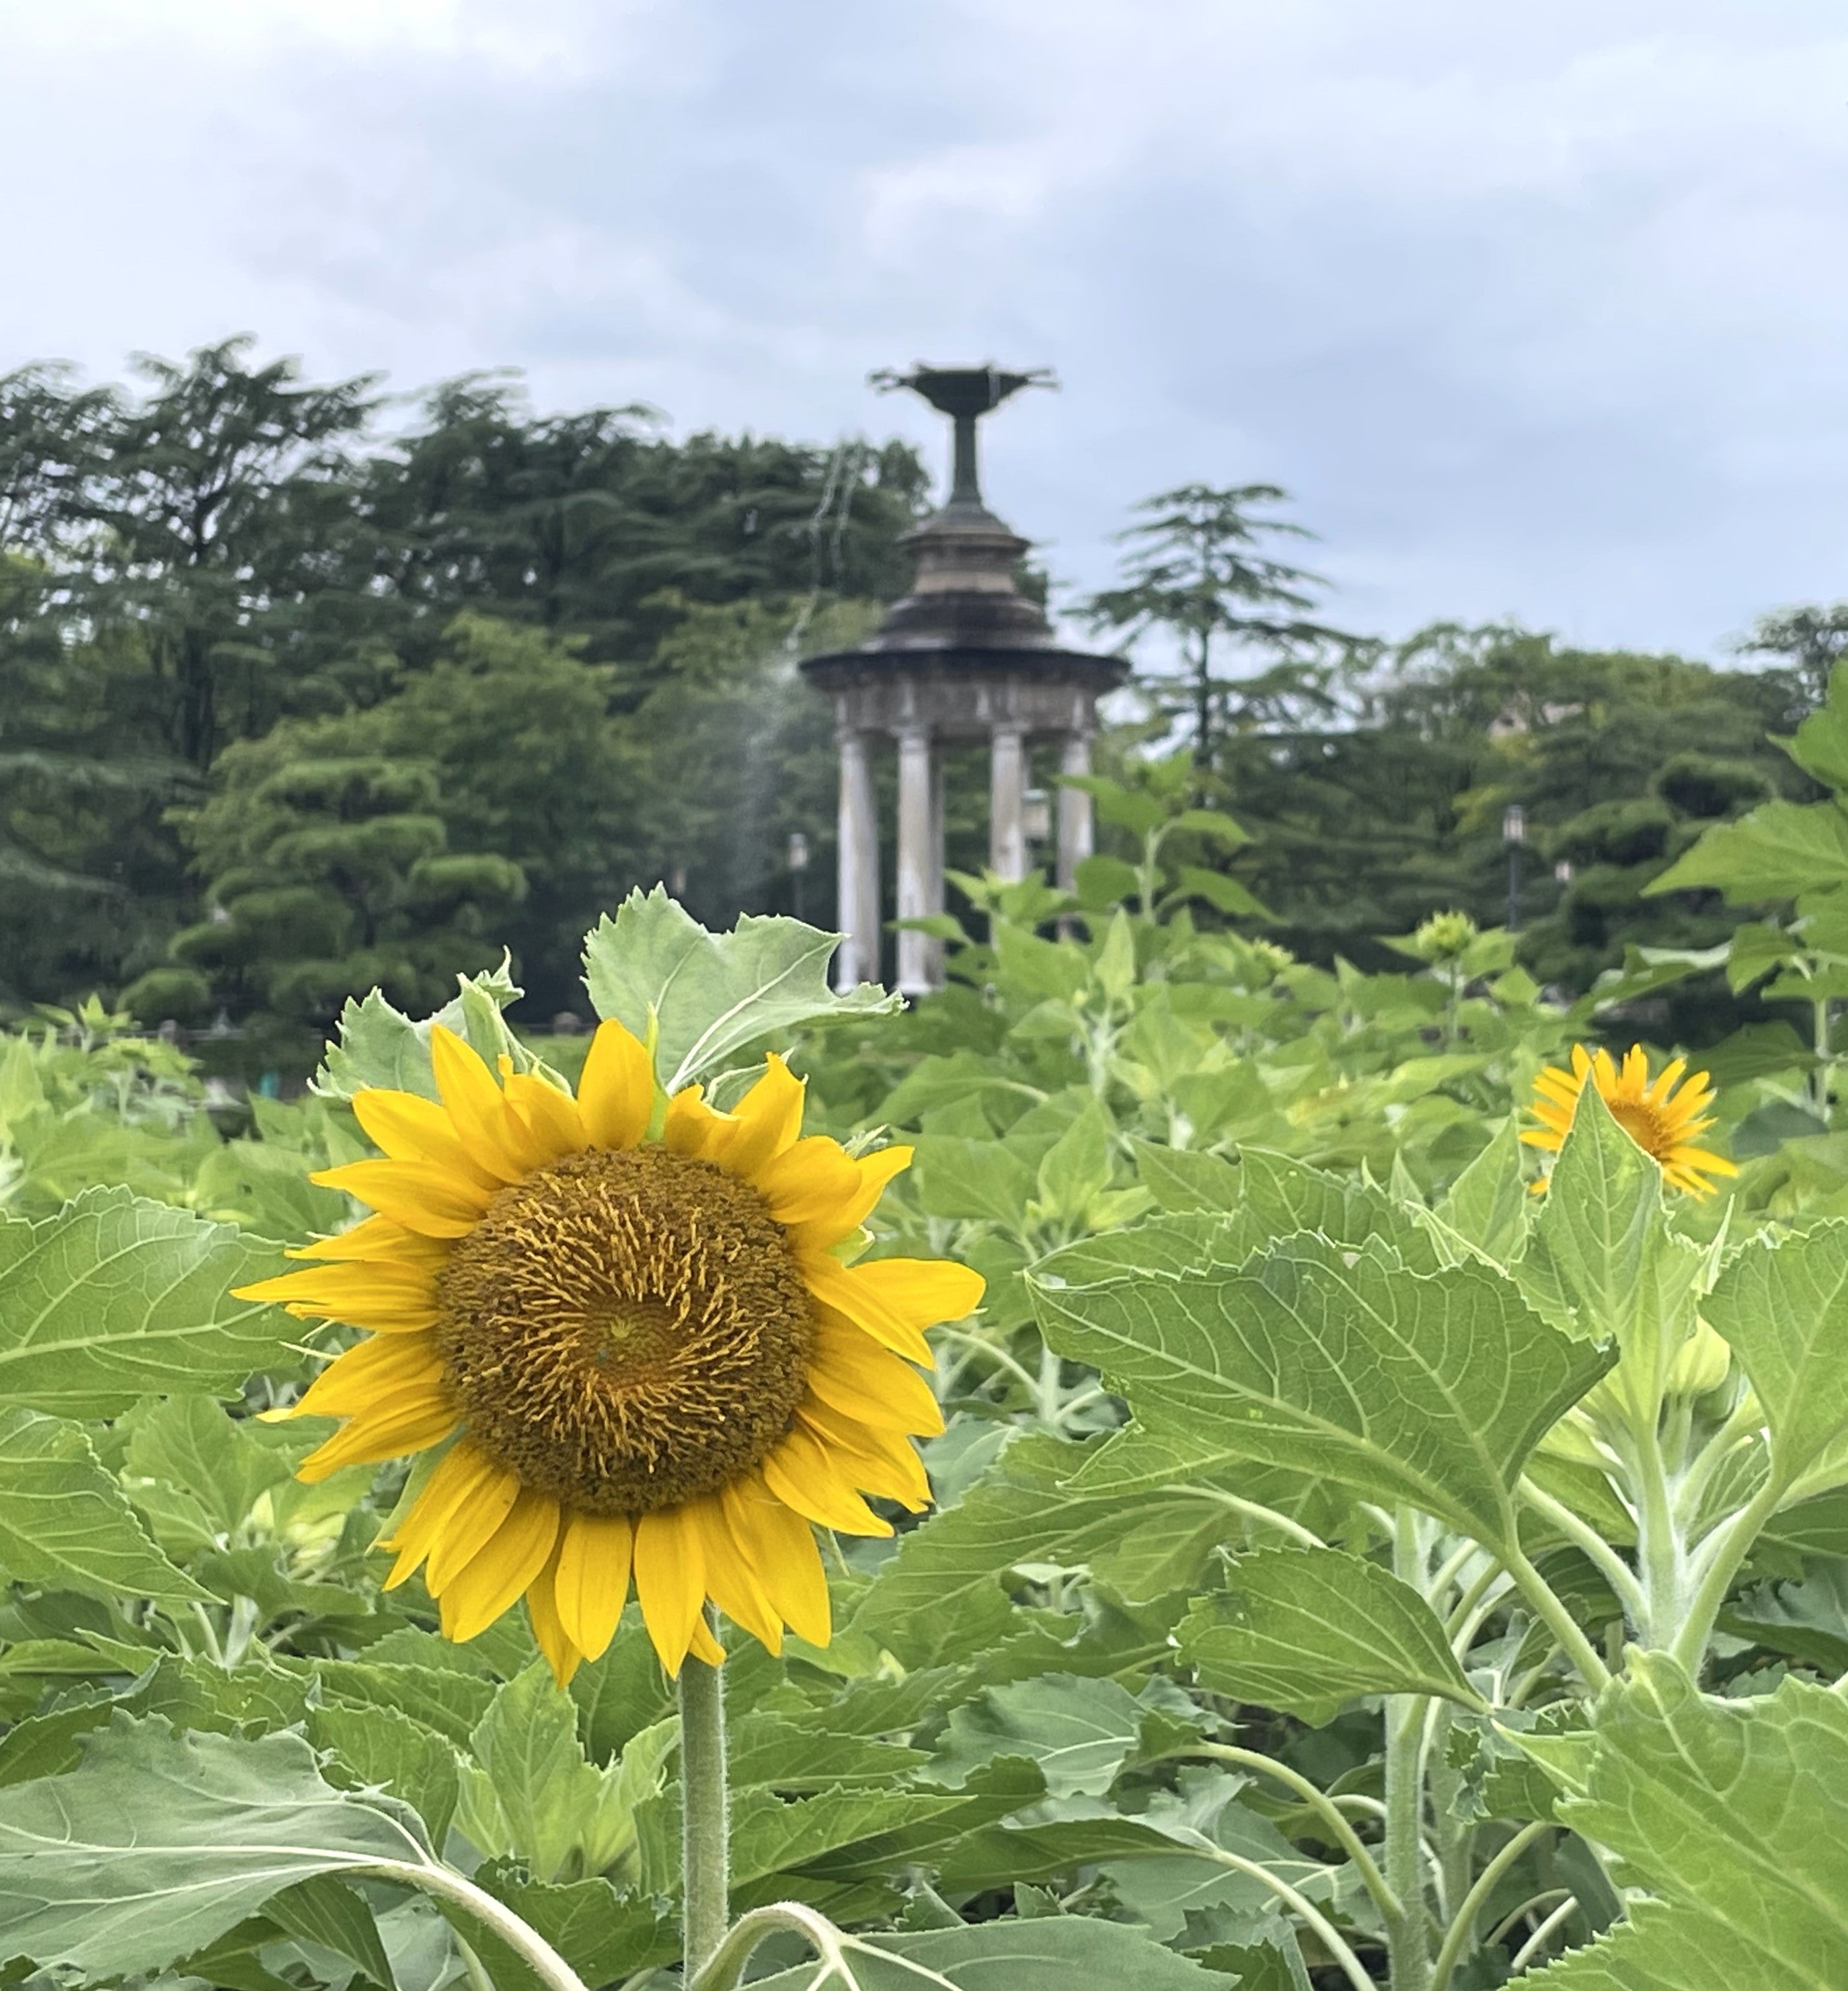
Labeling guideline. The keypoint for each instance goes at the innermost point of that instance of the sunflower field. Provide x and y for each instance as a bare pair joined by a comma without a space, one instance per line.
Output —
1159,1467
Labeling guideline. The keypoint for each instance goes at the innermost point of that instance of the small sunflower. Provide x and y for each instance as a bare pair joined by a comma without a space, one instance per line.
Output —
644,1356
1662,1122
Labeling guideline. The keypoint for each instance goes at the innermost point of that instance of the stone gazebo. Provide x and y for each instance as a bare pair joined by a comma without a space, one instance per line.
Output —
965,656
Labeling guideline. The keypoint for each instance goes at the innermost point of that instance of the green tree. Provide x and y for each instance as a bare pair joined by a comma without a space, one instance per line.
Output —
1811,640
327,871
1194,568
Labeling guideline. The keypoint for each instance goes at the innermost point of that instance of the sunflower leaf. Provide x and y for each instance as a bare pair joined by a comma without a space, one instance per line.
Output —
1045,1953
115,1298
1309,1630
65,1524
1783,1307
1729,1810
709,995
157,1844
379,1045
1426,1388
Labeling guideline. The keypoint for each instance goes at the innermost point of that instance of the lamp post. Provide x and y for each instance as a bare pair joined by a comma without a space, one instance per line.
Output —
798,868
1514,834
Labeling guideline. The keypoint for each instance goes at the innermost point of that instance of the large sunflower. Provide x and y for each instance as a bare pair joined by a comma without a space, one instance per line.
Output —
643,1354
1662,1122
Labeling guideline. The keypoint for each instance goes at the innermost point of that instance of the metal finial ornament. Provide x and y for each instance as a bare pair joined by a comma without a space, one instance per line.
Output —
966,394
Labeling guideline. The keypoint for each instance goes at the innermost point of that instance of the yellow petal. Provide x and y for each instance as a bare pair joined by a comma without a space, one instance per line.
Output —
731,1582
432,1201
373,1373
502,1571
550,1118
548,1633
802,1475
411,1129
822,1233
471,1522
670,1582
388,1433
377,1241
464,1474
895,1299
1664,1081
693,1128
389,1299
595,1553
703,1645
810,1181
850,1370
476,1105
881,1462
765,1122
784,1552
616,1088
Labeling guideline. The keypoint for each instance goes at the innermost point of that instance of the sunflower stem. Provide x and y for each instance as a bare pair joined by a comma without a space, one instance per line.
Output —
705,1854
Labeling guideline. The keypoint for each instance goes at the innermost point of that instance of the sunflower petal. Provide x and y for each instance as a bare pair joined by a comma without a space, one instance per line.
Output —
501,1570
785,1554
372,1371
376,1240
670,1582
549,1118
470,1524
802,1475
433,1202
548,1633
414,1425
822,1233
476,1105
807,1183
409,1128
765,1122
731,1582
594,1553
463,1476
616,1088
895,1299
388,1299
850,1370
693,1128
880,1463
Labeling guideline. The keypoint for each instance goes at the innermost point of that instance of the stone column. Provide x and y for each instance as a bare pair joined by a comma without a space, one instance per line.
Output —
1075,811
856,960
1007,803
920,855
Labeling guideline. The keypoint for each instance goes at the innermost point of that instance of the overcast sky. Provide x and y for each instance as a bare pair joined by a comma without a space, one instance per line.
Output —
1536,311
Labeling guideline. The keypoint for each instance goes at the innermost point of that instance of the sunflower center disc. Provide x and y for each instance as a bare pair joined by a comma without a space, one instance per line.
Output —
626,1331
1644,1126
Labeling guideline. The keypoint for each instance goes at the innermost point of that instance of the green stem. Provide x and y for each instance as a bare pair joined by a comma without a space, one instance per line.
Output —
1745,1422
1610,1566
1407,1941
1552,1612
1319,1802
722,1969
1251,1510
527,1944
1724,1553
1331,1937
705,1859
1463,1926
1659,1548
1537,1941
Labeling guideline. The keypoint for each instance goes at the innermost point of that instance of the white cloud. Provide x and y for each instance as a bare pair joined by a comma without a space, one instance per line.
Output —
1539,311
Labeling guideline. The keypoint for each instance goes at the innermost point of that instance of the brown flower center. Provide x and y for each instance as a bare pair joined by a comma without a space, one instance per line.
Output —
1644,1125
626,1331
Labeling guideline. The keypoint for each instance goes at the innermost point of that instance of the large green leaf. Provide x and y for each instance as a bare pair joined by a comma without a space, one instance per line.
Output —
1079,1731
1049,1953
1430,1389
1782,1304
114,1298
378,1046
710,995
156,1844
1729,1812
1780,851
192,1443
65,1524
1309,1630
